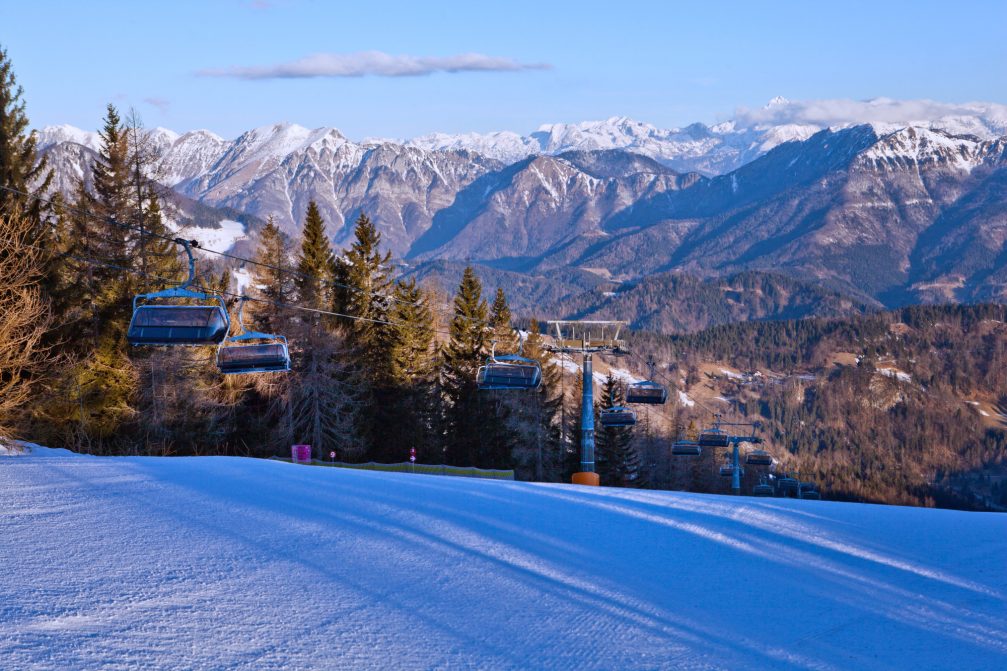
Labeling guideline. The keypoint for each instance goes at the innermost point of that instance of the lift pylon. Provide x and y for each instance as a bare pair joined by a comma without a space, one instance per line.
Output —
586,338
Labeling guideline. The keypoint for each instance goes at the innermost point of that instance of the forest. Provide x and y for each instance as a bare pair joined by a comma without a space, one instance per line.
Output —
381,364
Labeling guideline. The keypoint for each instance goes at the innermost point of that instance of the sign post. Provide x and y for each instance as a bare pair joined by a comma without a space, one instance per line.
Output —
412,459
300,454
332,456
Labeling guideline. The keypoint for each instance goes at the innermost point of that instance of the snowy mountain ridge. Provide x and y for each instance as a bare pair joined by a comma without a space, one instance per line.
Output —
707,149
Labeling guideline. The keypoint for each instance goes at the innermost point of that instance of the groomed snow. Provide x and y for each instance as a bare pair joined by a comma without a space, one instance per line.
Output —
216,562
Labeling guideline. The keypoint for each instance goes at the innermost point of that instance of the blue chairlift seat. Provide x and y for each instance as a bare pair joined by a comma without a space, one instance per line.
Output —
194,325
727,470
617,416
179,323
762,489
759,458
686,448
272,357
509,372
648,393
238,356
811,496
713,438
788,485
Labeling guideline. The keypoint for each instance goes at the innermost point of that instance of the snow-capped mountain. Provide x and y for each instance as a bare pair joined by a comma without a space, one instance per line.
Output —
601,196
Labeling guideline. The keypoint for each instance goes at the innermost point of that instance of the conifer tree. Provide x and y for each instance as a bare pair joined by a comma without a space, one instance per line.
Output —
500,321
404,416
272,279
20,169
322,411
536,417
315,262
615,455
465,424
365,275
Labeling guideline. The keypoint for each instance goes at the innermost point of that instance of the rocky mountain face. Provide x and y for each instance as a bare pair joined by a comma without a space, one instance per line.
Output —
875,212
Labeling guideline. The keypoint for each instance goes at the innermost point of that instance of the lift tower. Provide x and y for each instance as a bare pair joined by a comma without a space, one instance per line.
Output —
586,338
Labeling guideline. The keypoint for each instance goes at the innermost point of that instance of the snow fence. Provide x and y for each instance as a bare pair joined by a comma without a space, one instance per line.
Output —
426,469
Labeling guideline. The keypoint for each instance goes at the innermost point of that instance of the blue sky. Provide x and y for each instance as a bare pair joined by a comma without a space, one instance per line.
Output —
186,65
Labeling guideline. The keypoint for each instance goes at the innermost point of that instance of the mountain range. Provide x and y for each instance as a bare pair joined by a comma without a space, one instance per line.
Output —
894,211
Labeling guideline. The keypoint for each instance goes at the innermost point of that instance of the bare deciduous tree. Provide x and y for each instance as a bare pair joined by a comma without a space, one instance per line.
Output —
24,316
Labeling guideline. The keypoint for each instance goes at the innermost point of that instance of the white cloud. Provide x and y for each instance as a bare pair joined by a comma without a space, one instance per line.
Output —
160,103
884,111
376,63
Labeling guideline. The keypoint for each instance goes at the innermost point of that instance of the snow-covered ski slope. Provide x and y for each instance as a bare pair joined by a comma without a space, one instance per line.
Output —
228,563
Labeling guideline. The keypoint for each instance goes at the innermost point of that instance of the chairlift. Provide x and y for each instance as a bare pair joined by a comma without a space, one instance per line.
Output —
178,323
811,496
686,448
509,371
238,356
762,489
759,458
647,392
618,416
788,485
714,437
726,470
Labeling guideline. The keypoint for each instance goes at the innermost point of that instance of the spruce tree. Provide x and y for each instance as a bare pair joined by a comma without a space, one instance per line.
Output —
465,424
322,396
614,453
20,168
315,262
500,322
404,414
365,275
272,280
537,416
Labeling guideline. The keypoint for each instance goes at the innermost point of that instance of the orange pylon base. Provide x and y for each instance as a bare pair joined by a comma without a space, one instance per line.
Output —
590,479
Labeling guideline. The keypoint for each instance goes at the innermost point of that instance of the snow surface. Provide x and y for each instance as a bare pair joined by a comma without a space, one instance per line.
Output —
219,239
684,399
222,562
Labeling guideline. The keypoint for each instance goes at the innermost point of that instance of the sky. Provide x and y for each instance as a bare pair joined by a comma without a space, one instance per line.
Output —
400,69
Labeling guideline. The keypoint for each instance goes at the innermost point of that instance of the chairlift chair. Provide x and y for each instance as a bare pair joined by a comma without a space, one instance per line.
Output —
178,323
647,392
762,489
811,496
788,485
714,437
510,371
726,470
759,458
686,448
618,416
238,356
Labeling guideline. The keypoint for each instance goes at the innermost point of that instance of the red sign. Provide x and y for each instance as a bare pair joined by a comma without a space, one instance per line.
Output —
332,455
412,454
300,453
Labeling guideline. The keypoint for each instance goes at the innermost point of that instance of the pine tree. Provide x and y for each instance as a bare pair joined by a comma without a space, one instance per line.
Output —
465,424
615,455
20,169
406,403
500,322
536,418
365,274
315,263
272,280
322,399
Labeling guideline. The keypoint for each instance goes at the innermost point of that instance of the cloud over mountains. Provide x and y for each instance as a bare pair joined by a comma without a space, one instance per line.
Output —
373,63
